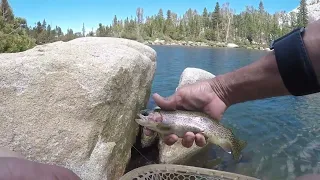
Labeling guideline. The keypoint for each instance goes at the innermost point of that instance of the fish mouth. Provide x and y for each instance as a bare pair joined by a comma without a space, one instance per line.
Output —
144,120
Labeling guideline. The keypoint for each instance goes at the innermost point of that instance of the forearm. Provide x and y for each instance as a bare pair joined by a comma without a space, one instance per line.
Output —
262,79
258,80
312,44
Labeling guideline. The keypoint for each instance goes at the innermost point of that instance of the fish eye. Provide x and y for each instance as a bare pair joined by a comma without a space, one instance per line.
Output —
144,113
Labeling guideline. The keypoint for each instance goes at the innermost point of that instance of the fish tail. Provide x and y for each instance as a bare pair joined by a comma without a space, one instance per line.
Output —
237,147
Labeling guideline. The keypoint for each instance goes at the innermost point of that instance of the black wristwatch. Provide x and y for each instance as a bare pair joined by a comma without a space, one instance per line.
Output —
301,30
294,64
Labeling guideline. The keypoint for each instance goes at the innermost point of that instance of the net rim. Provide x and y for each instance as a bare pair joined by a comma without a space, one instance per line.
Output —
182,168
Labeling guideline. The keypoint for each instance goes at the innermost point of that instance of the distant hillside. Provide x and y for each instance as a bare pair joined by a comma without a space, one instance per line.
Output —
313,10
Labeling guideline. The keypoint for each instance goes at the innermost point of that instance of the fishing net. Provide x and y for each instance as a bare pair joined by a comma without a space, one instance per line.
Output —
180,172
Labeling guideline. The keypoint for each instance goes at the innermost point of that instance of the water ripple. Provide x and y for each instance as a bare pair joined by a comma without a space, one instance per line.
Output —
283,133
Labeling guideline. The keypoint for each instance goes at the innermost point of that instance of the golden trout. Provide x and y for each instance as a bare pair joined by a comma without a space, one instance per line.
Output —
179,122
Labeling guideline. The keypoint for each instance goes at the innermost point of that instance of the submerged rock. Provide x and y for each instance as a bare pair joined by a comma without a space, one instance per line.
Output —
74,103
178,154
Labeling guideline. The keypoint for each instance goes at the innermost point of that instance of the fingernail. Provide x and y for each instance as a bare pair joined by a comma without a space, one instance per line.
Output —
156,95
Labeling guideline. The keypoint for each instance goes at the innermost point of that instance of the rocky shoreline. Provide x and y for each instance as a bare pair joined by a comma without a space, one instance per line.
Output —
203,44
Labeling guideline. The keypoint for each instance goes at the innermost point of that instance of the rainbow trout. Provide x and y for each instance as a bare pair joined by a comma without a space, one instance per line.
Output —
179,122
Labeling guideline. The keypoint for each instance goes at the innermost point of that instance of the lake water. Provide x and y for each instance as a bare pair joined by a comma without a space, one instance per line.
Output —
283,134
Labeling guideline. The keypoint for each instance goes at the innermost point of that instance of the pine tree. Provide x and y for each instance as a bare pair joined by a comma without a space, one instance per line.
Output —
253,24
44,24
115,21
216,16
261,20
160,21
205,17
39,27
59,31
83,30
6,11
49,32
293,19
303,14
216,19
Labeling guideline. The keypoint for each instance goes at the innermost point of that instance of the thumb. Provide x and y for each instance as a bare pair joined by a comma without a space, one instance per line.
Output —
215,109
165,103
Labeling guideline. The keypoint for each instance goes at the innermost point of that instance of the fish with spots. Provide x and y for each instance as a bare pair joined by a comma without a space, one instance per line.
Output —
179,122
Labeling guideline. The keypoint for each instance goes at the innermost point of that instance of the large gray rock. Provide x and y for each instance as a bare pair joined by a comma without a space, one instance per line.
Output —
74,103
178,154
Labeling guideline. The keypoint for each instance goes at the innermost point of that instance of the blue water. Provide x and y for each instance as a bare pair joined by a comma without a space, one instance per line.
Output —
283,133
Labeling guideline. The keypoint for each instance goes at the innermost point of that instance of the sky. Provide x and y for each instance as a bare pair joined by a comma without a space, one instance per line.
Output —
73,13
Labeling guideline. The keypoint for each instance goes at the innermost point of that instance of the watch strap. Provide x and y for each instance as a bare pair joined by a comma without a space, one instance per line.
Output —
294,64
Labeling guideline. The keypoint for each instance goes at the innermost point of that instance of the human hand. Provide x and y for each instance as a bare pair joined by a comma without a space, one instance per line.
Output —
17,168
200,96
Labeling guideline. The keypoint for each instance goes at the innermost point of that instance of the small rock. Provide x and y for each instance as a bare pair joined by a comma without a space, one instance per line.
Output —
232,45
204,44
220,44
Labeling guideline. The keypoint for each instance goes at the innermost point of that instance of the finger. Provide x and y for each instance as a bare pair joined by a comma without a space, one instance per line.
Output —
165,103
200,140
170,140
188,139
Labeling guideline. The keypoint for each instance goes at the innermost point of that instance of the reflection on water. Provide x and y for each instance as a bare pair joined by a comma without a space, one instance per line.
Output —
282,133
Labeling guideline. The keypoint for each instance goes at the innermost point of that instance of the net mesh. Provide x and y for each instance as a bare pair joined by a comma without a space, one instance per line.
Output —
179,172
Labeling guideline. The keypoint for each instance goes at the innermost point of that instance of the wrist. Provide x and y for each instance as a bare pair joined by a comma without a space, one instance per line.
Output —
228,88
221,87
258,80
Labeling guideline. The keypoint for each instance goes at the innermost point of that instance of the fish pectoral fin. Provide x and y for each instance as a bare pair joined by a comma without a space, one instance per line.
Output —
163,127
213,163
